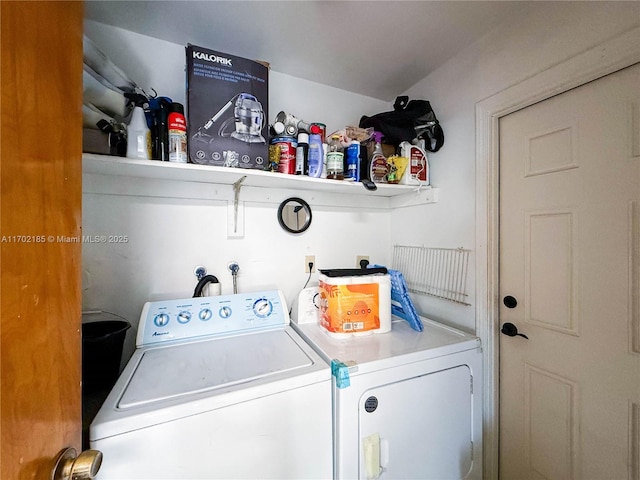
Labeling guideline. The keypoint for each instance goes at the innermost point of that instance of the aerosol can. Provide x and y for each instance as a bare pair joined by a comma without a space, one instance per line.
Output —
418,169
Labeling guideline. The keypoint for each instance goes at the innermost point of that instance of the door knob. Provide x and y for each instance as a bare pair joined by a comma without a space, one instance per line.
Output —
510,302
511,330
71,466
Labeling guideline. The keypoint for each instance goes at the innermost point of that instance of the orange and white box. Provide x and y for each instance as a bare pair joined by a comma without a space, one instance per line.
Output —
355,305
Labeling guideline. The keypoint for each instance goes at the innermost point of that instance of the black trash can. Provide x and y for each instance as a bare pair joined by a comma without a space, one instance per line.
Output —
102,344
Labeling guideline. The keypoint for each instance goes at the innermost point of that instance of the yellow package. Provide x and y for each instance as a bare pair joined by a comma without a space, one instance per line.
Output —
397,167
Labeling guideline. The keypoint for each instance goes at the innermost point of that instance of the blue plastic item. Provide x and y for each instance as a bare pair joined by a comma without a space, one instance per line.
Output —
401,304
341,372
352,155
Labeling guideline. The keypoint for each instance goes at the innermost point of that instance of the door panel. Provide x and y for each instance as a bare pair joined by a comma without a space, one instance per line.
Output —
550,423
569,253
41,207
424,425
549,247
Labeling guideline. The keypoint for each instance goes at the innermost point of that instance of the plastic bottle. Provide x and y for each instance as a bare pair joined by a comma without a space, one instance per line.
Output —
325,147
335,159
353,161
392,170
302,152
418,169
378,166
315,156
177,126
138,136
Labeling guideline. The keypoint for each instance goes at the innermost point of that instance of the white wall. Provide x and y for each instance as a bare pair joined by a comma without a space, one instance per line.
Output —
160,65
550,34
169,236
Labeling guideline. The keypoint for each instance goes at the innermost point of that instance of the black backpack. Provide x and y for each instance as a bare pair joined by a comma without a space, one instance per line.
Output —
408,120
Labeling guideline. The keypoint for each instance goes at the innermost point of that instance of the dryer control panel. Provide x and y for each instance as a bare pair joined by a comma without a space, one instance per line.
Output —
171,320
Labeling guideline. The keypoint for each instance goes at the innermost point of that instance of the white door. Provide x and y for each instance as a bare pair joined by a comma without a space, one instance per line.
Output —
570,263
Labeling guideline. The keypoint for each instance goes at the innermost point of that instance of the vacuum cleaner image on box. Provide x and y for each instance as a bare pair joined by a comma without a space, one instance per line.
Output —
227,113
248,118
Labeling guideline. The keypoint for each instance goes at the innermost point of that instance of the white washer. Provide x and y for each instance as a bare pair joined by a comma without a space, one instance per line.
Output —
218,387
407,404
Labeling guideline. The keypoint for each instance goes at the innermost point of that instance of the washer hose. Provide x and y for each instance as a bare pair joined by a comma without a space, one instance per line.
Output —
203,283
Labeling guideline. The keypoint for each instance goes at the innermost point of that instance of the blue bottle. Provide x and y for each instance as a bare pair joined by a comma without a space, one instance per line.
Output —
315,155
352,171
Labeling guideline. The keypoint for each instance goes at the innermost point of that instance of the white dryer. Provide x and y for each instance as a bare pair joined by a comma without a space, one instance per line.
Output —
407,404
218,387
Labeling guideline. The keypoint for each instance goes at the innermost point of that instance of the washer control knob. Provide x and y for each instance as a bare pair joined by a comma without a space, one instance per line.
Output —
184,316
205,314
225,312
262,307
161,319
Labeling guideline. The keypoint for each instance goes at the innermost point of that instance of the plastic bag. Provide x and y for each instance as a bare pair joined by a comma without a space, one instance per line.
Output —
409,120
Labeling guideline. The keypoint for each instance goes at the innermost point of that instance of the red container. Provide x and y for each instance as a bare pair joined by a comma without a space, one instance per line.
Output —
287,147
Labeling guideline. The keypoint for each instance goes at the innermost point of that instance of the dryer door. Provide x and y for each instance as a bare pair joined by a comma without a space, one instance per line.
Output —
419,427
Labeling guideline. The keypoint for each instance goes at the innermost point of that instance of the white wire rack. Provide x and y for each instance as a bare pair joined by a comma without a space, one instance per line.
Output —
438,272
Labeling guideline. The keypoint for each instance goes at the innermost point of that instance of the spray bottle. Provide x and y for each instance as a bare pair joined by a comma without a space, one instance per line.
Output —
378,165
138,133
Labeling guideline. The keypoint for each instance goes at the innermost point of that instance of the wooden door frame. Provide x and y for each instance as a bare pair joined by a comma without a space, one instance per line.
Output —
611,56
41,214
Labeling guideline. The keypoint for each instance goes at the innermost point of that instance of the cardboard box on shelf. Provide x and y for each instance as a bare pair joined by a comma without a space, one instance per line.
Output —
227,109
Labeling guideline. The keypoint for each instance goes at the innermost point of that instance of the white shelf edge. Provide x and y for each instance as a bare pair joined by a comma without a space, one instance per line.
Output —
399,195
419,196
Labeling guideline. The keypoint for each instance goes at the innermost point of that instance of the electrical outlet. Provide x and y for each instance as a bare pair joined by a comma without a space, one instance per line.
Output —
359,258
307,260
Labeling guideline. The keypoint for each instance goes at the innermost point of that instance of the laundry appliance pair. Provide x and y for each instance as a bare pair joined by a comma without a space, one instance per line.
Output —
228,387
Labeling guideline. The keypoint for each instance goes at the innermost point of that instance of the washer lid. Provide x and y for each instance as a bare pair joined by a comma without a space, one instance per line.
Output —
170,372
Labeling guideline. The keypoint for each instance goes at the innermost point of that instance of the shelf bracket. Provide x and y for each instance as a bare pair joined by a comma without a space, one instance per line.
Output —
421,196
235,212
